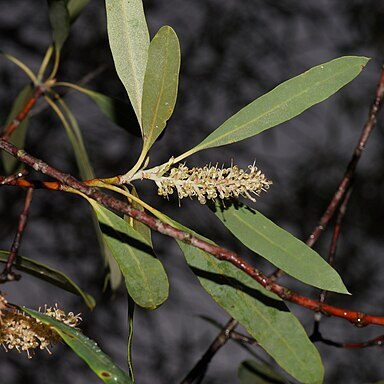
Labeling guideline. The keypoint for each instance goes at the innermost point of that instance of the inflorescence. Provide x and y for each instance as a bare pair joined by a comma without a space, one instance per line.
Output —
25,334
209,182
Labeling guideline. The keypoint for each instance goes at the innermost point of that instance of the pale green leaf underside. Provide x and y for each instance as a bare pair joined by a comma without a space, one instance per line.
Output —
286,101
160,84
259,311
129,41
85,348
144,275
48,274
278,246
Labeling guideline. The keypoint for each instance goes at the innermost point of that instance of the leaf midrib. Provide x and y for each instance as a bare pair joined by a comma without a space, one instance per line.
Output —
208,144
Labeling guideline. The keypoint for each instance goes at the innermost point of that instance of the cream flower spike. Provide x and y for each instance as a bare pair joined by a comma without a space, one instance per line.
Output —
209,182
25,334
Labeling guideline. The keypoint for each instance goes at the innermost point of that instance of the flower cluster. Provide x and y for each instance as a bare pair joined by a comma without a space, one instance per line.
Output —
211,182
24,333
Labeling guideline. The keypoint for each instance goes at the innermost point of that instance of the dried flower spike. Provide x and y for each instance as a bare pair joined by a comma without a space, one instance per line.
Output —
24,333
210,182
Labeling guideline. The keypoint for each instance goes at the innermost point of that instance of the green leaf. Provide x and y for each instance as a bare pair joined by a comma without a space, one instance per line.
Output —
86,172
85,348
60,22
129,41
286,101
260,312
278,246
160,84
76,138
75,7
251,372
50,275
18,136
143,229
116,110
264,316
21,65
144,275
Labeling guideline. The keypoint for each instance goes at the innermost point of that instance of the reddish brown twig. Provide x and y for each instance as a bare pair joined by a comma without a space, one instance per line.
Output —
357,318
12,179
335,236
351,168
376,342
349,172
332,252
8,274
15,180
197,373
23,113
244,339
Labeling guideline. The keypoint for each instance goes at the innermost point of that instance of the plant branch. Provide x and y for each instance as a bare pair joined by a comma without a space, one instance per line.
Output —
336,234
350,170
332,253
357,318
12,179
39,90
197,373
376,342
7,274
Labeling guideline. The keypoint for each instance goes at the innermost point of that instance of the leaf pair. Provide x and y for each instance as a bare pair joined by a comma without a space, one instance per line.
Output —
148,70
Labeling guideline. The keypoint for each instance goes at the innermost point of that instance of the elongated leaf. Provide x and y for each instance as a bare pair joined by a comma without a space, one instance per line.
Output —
85,348
278,246
75,7
129,41
286,101
21,65
60,22
76,138
116,110
18,136
260,312
50,275
144,275
251,372
86,172
160,84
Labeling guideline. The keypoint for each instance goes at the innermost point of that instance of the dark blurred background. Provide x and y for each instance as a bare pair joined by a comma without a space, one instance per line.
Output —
232,52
